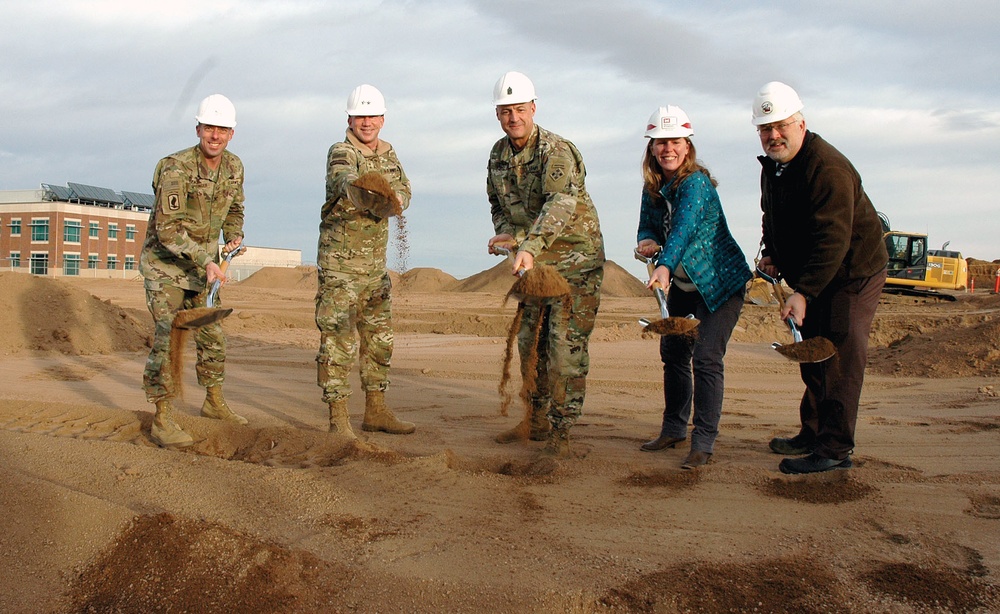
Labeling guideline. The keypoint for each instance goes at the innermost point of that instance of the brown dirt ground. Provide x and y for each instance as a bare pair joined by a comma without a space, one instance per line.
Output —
279,516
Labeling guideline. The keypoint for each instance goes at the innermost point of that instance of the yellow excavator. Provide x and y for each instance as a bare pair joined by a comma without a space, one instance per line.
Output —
915,270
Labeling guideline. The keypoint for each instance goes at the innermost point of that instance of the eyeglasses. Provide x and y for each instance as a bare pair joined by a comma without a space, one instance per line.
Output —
767,128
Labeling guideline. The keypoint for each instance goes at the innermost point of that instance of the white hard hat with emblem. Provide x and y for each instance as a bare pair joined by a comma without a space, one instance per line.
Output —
668,122
366,100
513,88
775,102
217,110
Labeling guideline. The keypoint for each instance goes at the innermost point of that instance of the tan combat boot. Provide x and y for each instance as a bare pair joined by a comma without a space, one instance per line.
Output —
379,418
165,432
557,444
340,422
215,407
536,430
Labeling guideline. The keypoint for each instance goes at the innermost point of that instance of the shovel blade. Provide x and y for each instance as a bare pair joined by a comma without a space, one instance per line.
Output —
814,349
190,319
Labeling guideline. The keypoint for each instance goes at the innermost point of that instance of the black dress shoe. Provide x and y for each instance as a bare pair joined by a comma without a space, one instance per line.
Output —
791,446
813,464
696,458
661,443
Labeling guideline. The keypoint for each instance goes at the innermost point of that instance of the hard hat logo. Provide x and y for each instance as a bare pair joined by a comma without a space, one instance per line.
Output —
766,108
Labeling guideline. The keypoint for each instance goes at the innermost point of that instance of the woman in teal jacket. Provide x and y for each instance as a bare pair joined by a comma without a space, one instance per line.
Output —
682,226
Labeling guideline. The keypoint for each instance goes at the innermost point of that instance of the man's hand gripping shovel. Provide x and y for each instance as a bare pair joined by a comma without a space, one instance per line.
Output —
189,319
814,349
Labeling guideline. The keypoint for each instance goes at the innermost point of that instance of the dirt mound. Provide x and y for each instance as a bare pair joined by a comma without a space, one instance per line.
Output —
422,279
957,346
983,273
42,314
162,563
619,282
498,280
300,277
297,278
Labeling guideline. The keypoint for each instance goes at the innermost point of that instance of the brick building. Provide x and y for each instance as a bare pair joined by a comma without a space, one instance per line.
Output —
89,231
78,230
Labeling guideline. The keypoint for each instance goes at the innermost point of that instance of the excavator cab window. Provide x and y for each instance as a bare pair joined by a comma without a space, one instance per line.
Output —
907,255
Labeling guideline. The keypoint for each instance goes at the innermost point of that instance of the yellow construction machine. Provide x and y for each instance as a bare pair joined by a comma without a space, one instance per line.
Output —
914,269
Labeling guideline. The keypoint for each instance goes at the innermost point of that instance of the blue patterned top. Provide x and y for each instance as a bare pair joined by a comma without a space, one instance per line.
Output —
687,220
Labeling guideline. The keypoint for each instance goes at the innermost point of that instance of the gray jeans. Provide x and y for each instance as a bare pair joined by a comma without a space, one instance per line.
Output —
693,374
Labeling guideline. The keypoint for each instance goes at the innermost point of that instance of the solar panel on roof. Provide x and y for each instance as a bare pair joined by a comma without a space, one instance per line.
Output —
94,193
58,192
138,199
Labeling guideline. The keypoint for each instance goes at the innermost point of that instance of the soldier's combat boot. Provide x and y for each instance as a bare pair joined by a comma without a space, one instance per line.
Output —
557,444
536,428
340,422
165,432
215,407
379,418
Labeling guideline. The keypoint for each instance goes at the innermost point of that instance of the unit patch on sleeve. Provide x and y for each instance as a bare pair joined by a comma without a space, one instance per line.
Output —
171,196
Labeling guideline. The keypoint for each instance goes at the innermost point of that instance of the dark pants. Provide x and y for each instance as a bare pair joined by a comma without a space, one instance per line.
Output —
842,313
703,359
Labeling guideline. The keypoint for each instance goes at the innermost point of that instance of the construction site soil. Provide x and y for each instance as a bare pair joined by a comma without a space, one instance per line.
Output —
280,516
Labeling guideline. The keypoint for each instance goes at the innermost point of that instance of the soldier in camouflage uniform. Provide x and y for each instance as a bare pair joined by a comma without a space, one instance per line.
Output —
539,203
354,287
199,194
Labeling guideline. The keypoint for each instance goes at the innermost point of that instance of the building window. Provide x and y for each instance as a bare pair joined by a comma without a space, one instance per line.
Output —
71,264
129,263
15,228
130,232
112,263
112,230
15,259
40,263
95,228
71,231
92,261
40,231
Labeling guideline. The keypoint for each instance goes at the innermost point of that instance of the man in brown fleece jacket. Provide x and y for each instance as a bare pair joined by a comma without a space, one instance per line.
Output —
823,235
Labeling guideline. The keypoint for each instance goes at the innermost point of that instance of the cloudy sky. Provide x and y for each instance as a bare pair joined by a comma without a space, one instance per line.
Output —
96,91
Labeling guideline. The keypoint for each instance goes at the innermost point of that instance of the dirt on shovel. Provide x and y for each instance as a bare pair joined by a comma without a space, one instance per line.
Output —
814,349
673,326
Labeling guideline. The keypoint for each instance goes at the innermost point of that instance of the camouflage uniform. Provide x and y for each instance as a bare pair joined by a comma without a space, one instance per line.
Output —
193,205
537,195
354,287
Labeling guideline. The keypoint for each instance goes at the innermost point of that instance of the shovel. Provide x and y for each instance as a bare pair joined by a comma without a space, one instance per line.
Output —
666,325
190,319
814,349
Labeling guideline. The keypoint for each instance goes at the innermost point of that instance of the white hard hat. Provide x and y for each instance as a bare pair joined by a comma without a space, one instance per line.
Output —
668,122
513,88
217,110
775,102
366,100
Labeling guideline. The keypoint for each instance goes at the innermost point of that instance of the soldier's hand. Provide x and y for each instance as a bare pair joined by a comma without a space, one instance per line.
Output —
523,261
214,272
505,241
